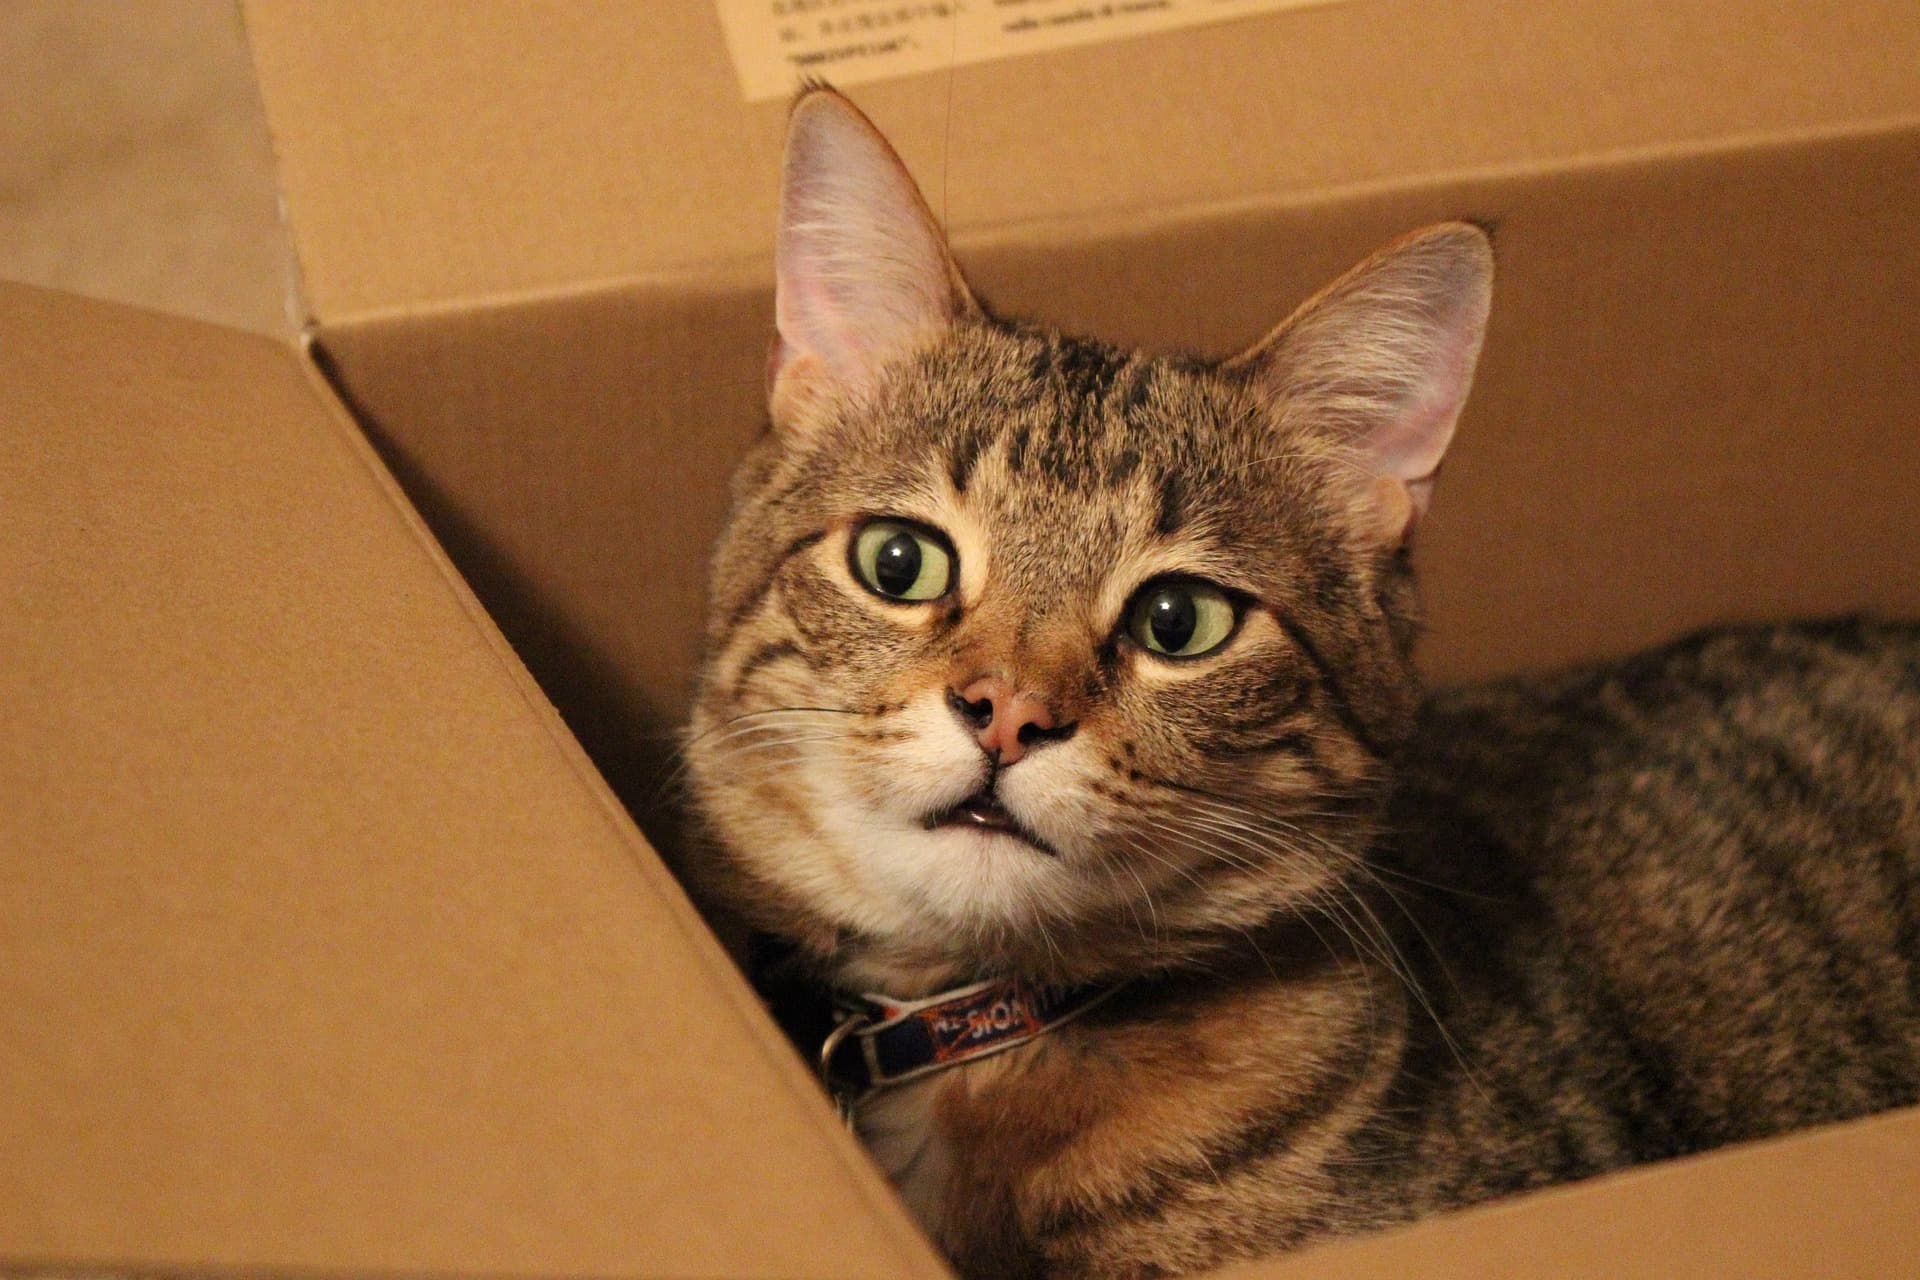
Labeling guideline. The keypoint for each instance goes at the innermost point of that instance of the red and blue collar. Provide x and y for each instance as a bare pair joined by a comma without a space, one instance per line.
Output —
878,1041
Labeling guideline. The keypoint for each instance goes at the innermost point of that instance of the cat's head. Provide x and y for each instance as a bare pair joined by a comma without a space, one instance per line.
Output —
1027,655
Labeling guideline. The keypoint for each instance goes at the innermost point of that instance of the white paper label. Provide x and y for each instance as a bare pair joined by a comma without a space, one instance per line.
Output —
778,43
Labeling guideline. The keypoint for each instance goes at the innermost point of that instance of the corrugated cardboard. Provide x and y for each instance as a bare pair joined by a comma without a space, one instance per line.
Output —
322,947
1833,1204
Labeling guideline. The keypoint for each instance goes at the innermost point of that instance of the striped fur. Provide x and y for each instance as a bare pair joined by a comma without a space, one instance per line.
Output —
1384,954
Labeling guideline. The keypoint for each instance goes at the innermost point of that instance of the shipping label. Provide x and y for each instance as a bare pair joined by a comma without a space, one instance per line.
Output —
777,44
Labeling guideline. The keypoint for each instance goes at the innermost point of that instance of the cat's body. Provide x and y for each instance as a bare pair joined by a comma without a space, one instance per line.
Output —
1649,908
1030,658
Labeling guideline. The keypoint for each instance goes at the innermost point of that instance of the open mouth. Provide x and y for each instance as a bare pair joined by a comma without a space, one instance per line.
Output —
981,812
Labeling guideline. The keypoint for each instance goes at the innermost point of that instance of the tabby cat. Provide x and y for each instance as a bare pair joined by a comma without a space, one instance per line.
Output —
1036,662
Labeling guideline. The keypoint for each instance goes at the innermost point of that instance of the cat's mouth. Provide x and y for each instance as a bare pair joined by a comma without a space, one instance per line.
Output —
982,812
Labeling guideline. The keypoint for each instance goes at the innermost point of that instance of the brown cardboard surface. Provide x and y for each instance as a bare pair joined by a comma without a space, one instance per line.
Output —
1832,1204
441,151
321,946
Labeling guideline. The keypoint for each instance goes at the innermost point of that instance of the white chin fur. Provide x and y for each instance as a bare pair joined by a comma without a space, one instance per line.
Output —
875,867
871,865
952,880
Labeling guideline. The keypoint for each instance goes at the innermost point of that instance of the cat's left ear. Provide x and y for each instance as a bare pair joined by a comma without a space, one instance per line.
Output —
1383,359
862,273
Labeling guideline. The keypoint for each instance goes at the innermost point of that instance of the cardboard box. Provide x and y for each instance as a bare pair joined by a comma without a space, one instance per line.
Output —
322,946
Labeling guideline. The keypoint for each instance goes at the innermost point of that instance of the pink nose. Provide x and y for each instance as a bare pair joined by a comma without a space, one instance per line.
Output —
1006,724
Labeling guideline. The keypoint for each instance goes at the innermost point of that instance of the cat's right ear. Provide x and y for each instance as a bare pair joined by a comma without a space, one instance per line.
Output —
862,272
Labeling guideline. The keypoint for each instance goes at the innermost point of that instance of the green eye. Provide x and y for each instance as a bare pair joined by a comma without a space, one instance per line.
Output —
1180,618
900,561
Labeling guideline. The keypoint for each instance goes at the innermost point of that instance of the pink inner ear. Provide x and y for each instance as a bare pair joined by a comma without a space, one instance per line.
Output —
1410,444
852,325
805,313
862,272
806,316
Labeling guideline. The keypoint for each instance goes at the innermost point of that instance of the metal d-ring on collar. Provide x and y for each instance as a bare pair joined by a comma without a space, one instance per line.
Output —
844,1098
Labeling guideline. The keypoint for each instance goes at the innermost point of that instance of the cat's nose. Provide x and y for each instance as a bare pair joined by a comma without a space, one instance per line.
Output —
1006,724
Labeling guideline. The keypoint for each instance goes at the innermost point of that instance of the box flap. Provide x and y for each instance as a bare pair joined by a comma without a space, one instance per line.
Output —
321,946
1828,1203
440,152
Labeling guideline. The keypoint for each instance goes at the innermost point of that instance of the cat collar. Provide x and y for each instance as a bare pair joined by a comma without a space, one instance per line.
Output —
877,1041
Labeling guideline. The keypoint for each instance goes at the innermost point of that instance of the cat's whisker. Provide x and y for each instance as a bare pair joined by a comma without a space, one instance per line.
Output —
754,720
1291,455
1218,853
728,744
1344,898
765,712
1421,882
1139,848
1365,947
1359,938
683,758
1213,846
736,749
1366,868
1240,828
754,742
1261,952
1278,841
1375,936
747,743
1107,860
1374,875
1242,834
1052,948
1253,855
